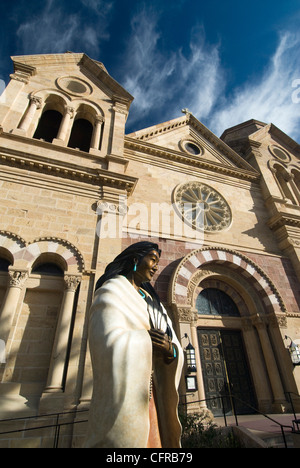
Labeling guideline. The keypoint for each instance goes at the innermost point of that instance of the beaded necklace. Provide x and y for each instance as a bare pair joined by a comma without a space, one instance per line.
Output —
142,293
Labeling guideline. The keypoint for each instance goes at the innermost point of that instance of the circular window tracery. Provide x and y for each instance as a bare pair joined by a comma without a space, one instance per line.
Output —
202,207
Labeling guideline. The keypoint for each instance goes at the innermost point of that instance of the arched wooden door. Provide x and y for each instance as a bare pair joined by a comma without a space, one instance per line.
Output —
226,374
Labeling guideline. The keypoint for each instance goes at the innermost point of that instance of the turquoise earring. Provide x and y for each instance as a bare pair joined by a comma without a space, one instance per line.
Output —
135,267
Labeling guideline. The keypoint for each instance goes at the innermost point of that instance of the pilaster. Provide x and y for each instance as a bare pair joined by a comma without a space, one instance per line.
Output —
58,363
16,282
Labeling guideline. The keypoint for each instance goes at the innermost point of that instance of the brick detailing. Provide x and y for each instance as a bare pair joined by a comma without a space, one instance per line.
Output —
192,262
24,254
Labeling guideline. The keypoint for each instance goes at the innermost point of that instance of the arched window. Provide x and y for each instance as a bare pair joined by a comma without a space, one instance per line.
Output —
6,259
48,269
295,183
284,179
4,264
48,126
213,301
81,135
49,264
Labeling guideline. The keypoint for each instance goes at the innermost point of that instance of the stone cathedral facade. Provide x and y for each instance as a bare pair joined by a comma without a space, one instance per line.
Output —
75,190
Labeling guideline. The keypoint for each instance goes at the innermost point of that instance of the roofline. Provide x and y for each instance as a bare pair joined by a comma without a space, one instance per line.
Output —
247,123
30,63
188,118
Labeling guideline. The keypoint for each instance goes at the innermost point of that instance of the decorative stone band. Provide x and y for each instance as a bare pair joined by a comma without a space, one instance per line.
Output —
178,293
23,254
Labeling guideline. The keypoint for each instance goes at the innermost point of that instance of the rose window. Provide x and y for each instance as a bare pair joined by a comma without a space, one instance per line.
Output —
202,207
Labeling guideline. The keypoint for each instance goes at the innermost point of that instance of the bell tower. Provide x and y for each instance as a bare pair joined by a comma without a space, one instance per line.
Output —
277,157
62,125
68,100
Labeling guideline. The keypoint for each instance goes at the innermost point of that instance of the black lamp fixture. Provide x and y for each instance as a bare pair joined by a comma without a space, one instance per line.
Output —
190,356
294,350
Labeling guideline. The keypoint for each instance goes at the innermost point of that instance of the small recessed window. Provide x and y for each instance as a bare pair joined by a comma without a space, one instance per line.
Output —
76,87
279,153
192,148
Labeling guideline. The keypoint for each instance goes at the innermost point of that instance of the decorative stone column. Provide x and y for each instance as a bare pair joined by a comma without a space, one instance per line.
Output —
257,366
55,380
65,129
96,136
285,365
199,375
294,188
272,368
35,103
17,279
120,115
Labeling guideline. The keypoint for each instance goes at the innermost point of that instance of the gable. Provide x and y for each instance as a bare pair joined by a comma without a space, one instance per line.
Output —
77,66
188,136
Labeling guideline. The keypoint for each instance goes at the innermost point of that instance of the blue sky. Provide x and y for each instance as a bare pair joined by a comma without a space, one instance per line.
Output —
226,61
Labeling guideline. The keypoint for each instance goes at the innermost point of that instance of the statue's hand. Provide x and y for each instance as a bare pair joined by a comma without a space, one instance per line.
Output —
161,343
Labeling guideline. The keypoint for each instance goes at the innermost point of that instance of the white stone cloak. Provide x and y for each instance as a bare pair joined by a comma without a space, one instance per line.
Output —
121,353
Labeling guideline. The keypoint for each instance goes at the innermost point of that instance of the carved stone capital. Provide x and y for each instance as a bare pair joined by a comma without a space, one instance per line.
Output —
70,110
280,320
37,101
187,314
120,105
246,324
99,119
72,282
258,322
17,278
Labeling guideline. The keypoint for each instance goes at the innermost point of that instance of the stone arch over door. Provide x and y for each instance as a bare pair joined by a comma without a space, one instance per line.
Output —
185,278
261,309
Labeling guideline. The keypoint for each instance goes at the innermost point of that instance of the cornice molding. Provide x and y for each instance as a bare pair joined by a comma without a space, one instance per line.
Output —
131,144
284,219
69,171
193,122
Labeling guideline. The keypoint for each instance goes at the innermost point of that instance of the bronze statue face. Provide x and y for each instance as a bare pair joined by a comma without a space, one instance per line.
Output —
147,267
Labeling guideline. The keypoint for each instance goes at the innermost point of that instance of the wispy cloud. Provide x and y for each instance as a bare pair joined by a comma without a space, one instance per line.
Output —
53,31
269,97
164,80
162,83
